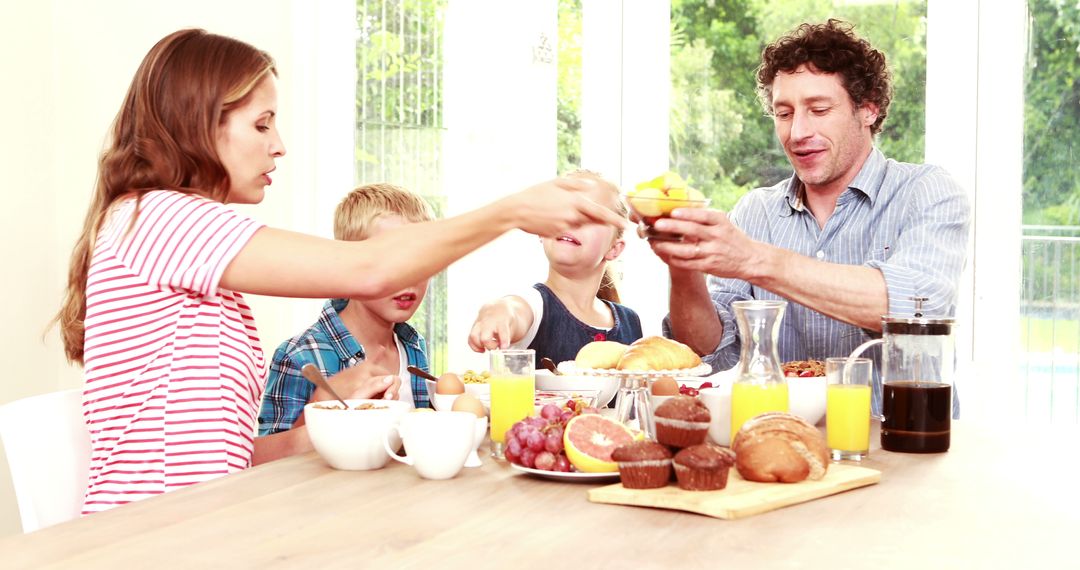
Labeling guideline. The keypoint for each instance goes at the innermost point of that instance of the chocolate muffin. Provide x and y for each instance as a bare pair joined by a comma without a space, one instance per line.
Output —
682,421
703,467
643,464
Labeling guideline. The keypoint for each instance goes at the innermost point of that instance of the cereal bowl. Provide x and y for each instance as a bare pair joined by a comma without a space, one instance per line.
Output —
806,397
352,439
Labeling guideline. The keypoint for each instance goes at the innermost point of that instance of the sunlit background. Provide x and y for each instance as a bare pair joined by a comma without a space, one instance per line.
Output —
464,101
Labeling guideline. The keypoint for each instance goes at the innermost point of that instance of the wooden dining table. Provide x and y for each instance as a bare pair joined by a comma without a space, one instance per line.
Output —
1002,497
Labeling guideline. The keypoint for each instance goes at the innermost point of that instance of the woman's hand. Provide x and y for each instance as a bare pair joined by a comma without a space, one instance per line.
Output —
551,208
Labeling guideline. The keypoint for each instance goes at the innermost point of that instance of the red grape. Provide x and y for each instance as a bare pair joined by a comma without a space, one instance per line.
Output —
562,463
528,458
550,412
513,446
511,456
553,443
536,441
545,460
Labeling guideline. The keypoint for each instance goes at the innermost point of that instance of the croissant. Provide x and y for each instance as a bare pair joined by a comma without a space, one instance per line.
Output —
658,353
601,354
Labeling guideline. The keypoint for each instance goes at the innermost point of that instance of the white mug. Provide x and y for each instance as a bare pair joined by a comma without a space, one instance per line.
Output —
718,400
437,443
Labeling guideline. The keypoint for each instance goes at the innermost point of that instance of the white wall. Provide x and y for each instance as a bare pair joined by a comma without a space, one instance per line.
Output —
500,138
66,65
624,125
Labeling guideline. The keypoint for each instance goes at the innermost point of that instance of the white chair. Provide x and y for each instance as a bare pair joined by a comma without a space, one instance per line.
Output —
48,452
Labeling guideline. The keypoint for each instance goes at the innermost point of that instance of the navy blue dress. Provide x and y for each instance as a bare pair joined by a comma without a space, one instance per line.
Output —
561,335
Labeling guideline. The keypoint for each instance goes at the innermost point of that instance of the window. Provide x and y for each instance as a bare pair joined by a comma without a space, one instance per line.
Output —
1050,242
721,139
399,125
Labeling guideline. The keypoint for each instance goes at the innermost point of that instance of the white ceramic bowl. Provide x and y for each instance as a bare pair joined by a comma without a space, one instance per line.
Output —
806,398
607,386
353,439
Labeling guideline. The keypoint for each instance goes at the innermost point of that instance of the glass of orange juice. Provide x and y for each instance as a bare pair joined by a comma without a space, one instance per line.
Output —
847,407
513,388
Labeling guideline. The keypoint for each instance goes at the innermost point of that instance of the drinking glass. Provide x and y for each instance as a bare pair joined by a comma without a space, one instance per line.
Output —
513,388
847,408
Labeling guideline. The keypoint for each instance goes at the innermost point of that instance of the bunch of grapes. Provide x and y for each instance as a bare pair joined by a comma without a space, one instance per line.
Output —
537,441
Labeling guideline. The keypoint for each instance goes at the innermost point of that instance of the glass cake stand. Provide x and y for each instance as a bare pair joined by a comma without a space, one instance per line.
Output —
632,404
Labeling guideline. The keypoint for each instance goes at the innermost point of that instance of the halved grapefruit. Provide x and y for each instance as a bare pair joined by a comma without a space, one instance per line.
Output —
589,440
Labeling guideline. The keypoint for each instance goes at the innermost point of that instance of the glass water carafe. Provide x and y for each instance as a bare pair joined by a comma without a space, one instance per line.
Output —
760,386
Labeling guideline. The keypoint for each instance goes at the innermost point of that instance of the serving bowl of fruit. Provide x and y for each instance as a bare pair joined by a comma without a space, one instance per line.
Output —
657,198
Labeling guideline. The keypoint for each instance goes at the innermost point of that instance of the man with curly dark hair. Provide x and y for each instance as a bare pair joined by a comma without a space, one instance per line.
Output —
851,236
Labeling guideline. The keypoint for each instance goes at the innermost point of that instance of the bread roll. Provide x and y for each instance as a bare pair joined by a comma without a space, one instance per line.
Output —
658,353
603,354
780,447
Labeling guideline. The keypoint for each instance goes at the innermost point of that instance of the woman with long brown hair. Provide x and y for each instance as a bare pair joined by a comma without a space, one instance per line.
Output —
154,307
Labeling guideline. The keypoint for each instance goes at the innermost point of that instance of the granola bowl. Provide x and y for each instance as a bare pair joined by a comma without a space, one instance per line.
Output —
352,439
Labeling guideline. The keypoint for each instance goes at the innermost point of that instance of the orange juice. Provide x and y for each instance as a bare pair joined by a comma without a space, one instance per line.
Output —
749,400
511,401
847,419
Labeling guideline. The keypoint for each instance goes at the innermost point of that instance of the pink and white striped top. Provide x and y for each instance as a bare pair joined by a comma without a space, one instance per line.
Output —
173,365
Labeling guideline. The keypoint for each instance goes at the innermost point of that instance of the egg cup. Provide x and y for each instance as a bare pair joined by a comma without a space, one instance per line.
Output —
481,430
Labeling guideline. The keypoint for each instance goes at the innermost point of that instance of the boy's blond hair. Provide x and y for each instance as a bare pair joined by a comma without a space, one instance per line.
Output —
356,213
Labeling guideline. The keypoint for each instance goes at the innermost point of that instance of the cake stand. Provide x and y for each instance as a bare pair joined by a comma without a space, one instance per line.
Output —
632,404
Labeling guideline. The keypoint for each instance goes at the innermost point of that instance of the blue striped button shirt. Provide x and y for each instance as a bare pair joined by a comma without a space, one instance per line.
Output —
329,345
910,221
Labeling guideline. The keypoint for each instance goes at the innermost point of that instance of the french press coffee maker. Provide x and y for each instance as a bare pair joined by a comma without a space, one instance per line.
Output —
918,361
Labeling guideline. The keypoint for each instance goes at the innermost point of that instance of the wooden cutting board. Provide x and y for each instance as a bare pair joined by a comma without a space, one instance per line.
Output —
741,498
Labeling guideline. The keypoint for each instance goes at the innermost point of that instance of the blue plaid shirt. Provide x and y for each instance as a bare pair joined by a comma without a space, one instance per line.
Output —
330,346
909,221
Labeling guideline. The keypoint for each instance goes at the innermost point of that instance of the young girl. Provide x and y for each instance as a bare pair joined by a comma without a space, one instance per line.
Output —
154,311
577,304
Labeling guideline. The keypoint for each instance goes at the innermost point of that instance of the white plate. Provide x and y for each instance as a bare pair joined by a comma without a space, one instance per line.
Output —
572,476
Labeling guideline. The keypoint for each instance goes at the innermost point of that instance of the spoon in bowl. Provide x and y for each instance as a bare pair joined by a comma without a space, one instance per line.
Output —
315,376
550,365
422,373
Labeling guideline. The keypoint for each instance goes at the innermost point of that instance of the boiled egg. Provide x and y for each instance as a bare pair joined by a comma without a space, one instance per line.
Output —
665,386
469,403
449,383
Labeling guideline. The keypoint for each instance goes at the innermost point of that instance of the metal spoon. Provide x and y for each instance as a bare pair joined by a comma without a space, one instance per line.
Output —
421,373
550,365
315,376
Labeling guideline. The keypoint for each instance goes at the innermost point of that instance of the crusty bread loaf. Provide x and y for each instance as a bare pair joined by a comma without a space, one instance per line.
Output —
603,354
781,447
658,353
